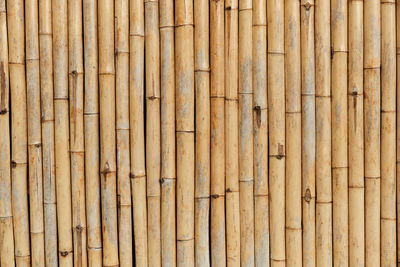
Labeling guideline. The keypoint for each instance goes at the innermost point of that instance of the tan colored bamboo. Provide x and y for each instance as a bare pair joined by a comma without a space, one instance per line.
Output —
293,231
168,173
339,133
232,135
356,135
34,133
6,219
47,120
308,141
202,175
372,52
91,120
217,151
388,132
260,124
398,123
184,77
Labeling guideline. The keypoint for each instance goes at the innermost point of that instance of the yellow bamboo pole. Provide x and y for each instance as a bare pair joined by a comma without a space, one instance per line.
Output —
356,135
398,123
6,224
388,132
168,173
372,61
232,135
293,134
91,120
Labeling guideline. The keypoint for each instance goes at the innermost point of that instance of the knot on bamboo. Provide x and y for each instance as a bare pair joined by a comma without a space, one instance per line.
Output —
307,196
307,5
280,152
257,109
13,164
106,169
3,111
64,253
79,228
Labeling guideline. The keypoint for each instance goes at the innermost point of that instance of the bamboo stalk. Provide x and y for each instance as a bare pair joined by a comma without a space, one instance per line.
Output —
168,173
339,133
232,135
184,58
356,135
276,120
293,134
388,132
91,120
372,51
398,123
308,130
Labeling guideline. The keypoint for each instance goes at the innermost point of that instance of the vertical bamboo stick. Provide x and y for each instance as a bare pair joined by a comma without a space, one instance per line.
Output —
168,174
308,130
34,133
6,224
260,124
16,64
122,128
388,132
47,119
217,108
202,88
293,134
356,135
339,133
232,134
91,119
398,123
372,121
184,58
276,120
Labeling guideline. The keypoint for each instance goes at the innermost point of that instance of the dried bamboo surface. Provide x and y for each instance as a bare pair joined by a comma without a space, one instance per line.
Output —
199,133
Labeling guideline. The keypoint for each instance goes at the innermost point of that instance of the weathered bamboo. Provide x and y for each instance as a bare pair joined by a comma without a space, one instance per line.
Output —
398,123
293,231
372,53
184,59
388,132
232,135
308,141
168,173
6,224
34,133
339,133
136,110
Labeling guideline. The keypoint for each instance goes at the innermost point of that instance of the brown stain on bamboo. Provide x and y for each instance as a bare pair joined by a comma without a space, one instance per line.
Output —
3,85
74,97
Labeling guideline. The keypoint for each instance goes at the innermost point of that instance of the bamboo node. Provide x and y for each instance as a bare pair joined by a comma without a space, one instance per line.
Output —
3,111
79,228
106,169
64,253
13,164
307,196
308,5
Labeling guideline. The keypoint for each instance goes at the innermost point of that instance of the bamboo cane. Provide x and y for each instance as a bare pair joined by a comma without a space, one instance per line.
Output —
276,120
6,224
398,123
293,134
217,108
232,135
202,88
168,174
34,133
308,130
323,219
356,135
372,70
122,128
47,119
339,133
184,58
388,132
91,120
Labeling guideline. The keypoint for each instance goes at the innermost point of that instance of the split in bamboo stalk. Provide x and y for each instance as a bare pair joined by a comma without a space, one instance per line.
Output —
276,120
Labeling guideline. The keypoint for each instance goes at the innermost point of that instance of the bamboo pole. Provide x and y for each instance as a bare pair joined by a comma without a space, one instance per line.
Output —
168,173
47,120
388,132
232,135
6,219
308,130
91,120
372,51
339,133
122,128
184,58
356,135
398,123
34,133
202,89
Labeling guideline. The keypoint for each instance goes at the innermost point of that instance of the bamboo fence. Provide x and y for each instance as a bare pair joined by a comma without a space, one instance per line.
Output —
199,133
